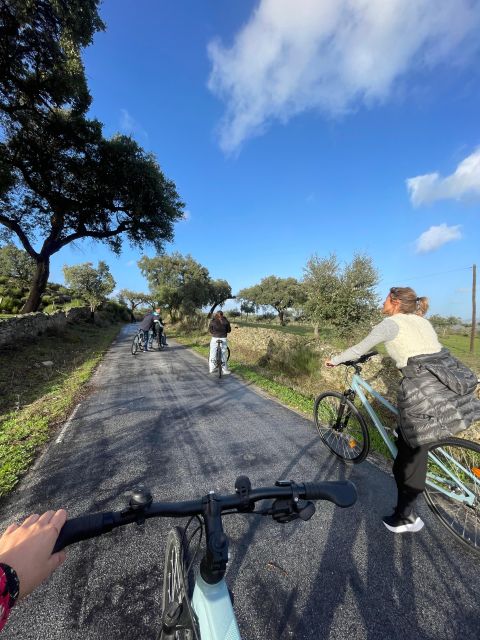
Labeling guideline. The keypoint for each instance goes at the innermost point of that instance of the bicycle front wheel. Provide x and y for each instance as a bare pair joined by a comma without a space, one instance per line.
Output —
453,488
176,590
341,426
219,361
135,345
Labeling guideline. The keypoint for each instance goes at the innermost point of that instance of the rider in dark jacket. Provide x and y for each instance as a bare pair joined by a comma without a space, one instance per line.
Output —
219,327
146,325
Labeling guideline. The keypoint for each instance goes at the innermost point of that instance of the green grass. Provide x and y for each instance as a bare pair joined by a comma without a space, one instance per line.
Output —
296,329
459,346
34,399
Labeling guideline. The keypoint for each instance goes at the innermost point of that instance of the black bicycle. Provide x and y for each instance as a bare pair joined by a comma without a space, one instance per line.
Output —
219,358
200,607
138,341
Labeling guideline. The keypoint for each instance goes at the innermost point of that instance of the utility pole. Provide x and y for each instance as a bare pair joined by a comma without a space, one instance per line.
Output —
474,309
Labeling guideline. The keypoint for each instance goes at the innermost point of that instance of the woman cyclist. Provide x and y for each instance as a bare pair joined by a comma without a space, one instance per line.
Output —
219,327
428,404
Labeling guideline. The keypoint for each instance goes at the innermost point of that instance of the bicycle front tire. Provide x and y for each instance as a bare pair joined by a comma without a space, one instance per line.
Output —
341,426
219,361
453,488
176,587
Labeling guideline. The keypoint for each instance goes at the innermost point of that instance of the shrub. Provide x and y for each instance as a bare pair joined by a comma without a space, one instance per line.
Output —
115,311
192,323
293,359
266,317
10,305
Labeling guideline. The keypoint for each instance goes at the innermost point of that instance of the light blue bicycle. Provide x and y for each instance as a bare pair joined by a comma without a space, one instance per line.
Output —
200,607
453,471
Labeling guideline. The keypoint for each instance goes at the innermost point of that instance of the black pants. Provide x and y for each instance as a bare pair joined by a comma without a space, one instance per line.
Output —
410,472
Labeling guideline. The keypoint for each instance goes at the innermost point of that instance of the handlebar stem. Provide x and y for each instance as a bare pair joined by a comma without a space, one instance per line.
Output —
214,563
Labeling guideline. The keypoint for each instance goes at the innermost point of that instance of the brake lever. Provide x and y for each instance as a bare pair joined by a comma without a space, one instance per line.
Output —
286,510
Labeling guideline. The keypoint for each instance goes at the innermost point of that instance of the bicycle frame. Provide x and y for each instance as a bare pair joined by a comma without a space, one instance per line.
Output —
358,385
214,610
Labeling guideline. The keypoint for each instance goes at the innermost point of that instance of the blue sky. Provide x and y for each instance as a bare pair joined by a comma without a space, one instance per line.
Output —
293,127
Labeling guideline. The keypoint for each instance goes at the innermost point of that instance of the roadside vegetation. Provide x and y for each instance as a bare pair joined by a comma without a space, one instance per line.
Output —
41,379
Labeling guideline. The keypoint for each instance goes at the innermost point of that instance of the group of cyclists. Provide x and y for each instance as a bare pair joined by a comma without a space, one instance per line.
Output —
26,550
152,325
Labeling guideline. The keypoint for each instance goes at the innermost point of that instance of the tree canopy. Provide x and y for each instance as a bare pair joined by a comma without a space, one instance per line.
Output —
279,293
60,179
16,264
220,291
93,285
134,299
177,282
342,297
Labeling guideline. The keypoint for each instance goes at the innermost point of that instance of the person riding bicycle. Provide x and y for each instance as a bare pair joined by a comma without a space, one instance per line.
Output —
147,325
159,327
219,327
435,397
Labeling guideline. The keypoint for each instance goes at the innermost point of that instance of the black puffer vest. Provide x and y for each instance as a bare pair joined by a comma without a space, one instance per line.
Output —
436,398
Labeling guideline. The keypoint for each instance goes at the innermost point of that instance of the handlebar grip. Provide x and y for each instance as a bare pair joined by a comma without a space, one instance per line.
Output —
343,493
83,528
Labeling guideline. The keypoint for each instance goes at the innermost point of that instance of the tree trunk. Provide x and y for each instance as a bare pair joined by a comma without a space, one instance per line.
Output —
38,285
280,316
210,313
315,330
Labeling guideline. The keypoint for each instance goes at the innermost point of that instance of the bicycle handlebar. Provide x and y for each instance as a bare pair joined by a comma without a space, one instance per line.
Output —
364,358
342,493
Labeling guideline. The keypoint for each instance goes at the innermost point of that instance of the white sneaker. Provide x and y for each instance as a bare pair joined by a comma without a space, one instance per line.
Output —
396,524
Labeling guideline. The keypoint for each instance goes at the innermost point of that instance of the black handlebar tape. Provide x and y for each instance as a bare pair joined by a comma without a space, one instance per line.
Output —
83,528
343,493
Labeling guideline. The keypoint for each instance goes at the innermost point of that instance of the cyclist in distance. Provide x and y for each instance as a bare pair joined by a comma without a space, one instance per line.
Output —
219,327
26,558
147,325
429,403
159,326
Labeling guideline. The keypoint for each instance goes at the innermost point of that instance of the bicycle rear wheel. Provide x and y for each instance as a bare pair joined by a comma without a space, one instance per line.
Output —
135,344
176,588
453,488
159,341
341,426
228,354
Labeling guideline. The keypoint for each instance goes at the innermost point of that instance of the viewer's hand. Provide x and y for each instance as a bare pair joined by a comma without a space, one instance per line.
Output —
28,548
329,363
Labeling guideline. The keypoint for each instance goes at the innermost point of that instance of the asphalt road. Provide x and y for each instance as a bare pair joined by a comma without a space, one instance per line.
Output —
159,418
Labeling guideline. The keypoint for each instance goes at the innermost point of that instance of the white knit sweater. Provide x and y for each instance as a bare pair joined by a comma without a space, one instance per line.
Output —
404,334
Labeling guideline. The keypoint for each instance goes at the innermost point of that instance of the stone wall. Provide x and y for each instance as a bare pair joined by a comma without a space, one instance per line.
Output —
33,324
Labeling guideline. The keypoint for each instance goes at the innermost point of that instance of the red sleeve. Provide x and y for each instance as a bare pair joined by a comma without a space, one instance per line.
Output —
4,599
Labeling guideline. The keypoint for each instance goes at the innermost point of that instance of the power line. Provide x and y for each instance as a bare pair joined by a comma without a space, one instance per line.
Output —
431,275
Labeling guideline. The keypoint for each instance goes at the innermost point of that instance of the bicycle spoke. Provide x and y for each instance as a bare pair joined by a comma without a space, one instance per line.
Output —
455,495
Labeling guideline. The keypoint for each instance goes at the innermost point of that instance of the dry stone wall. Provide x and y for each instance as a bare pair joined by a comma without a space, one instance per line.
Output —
33,324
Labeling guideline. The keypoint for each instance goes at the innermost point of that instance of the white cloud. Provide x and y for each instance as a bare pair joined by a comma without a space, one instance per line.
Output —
330,55
437,236
464,182
130,126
